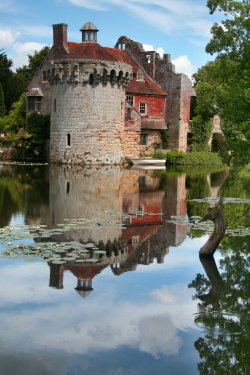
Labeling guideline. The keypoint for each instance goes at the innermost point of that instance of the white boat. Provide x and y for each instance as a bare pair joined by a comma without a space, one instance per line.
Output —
147,162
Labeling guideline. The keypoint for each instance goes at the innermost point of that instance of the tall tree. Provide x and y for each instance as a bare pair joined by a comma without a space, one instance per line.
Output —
2,105
6,76
225,83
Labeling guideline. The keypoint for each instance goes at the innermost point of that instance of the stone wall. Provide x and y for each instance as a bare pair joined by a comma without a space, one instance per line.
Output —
92,194
154,138
87,114
179,91
131,143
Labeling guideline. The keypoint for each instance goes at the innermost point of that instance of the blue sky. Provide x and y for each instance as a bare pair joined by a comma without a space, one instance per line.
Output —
178,27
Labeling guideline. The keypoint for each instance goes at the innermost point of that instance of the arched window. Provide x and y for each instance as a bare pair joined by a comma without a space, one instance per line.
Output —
68,139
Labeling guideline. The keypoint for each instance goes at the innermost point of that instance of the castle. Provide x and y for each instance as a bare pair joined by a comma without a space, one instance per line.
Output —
108,104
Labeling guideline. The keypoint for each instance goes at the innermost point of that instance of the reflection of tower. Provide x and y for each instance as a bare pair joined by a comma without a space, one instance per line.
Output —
81,193
83,273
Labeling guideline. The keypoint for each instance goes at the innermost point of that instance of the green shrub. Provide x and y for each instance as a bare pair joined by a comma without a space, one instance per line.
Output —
189,158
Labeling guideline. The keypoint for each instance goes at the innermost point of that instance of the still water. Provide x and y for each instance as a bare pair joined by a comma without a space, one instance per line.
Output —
137,300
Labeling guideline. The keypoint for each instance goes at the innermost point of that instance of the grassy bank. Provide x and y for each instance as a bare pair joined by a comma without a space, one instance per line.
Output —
189,158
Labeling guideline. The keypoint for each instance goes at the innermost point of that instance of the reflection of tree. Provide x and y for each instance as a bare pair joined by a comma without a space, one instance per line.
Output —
225,316
21,188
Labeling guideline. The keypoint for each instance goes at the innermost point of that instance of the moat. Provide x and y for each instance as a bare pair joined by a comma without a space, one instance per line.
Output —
100,272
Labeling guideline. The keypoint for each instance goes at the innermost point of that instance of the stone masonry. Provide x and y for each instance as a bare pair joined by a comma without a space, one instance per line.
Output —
87,118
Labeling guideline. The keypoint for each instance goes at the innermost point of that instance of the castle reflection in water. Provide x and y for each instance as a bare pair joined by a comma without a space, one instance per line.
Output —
144,201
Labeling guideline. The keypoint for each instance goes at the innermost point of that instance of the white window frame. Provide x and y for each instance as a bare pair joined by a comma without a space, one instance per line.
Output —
143,108
130,100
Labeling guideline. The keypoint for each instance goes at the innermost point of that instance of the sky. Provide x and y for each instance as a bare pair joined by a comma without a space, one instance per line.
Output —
178,27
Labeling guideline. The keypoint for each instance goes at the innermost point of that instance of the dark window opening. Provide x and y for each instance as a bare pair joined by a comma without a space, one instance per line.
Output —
68,187
44,76
34,103
68,139
129,114
91,79
144,139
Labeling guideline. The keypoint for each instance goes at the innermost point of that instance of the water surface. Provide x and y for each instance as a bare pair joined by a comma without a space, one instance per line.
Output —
143,307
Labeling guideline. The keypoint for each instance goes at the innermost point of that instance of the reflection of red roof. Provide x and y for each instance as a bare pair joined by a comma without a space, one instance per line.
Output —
85,272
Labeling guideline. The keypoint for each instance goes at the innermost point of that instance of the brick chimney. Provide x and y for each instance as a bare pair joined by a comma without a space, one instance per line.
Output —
60,38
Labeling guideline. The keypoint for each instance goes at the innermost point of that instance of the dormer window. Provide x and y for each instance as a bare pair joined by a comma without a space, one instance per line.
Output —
121,45
89,32
140,77
148,57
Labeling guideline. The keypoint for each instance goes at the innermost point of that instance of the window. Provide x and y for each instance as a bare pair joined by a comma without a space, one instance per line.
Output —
91,79
121,46
68,187
54,105
142,108
129,114
44,76
144,139
139,212
130,100
34,103
140,76
68,139
148,57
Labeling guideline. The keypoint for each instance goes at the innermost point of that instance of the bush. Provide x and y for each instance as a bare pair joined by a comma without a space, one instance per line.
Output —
189,158
38,125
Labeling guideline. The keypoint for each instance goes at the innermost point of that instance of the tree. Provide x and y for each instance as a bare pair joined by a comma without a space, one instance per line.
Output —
2,105
16,118
35,62
224,84
6,76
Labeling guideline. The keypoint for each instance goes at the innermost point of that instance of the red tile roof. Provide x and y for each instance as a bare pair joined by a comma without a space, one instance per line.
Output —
145,87
90,51
93,50
72,45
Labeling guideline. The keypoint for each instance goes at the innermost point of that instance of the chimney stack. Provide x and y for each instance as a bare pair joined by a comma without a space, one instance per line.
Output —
60,38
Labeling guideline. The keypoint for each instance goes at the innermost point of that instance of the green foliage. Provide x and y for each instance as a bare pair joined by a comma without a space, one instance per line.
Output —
39,126
164,139
35,61
16,118
2,105
223,86
189,158
200,133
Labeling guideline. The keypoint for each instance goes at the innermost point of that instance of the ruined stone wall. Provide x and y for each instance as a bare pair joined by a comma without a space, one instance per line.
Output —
179,91
87,114
39,82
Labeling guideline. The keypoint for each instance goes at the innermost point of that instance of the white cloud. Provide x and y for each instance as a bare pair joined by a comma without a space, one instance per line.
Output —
96,5
7,37
184,65
166,15
22,50
6,6
150,47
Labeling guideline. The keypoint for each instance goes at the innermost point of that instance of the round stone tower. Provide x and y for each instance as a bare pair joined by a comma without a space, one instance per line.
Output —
87,104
